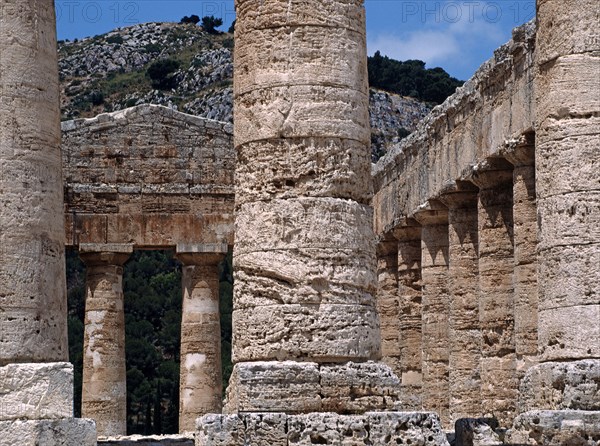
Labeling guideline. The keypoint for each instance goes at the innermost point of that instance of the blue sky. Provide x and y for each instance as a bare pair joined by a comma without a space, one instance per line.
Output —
455,35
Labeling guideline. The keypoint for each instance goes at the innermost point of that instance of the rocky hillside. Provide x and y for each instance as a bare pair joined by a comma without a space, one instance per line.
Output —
184,67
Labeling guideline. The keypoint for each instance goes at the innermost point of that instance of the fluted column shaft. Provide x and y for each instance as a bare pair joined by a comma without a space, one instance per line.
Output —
201,382
104,389
304,258
464,331
522,157
32,262
499,384
410,317
435,310
387,302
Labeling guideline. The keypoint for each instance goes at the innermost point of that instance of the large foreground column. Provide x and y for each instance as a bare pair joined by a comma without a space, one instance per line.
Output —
36,393
305,326
560,395
104,391
201,382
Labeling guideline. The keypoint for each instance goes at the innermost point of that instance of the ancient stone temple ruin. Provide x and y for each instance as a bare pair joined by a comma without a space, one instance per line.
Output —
451,287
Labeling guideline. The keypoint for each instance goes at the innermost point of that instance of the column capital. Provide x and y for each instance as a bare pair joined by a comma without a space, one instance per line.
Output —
408,229
520,151
490,173
432,212
200,253
97,254
459,195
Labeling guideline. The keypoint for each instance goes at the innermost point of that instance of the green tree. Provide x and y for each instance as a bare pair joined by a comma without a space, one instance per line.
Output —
191,19
162,73
209,23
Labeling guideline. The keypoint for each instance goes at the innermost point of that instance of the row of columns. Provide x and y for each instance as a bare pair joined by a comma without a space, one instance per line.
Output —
458,292
104,374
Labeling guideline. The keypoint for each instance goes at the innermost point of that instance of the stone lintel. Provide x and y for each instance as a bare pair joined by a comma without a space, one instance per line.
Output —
279,429
121,248
520,151
490,173
302,387
70,431
201,248
36,391
432,212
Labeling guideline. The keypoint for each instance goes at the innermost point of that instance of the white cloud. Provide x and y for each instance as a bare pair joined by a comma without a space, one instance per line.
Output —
432,47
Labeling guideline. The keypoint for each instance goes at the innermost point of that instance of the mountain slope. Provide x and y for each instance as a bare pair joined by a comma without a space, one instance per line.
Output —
111,71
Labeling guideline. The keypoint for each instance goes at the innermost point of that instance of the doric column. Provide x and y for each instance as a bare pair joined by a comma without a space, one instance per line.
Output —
387,301
36,390
410,371
559,396
521,154
436,308
304,257
465,334
201,383
499,385
104,392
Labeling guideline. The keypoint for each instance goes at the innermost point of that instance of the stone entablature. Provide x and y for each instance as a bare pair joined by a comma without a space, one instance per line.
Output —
148,176
495,105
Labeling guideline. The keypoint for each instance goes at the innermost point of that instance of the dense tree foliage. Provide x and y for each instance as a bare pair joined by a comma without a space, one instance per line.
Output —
153,295
411,78
191,19
210,23
161,73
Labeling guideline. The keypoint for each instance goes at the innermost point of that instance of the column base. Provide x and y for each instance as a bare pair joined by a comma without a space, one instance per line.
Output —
70,431
280,429
302,387
555,428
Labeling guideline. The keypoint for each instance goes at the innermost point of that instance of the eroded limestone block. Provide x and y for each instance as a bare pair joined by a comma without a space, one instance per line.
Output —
274,387
309,223
303,276
393,428
309,167
36,391
358,387
304,55
275,13
324,333
374,428
327,428
556,428
73,431
301,111
562,385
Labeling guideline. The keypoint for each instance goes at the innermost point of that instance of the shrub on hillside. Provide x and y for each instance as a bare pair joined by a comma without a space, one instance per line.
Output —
209,23
161,73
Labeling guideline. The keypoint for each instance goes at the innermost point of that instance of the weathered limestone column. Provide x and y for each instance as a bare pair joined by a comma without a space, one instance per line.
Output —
464,332
409,293
499,384
201,382
104,391
521,154
388,303
304,257
36,394
436,308
564,386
